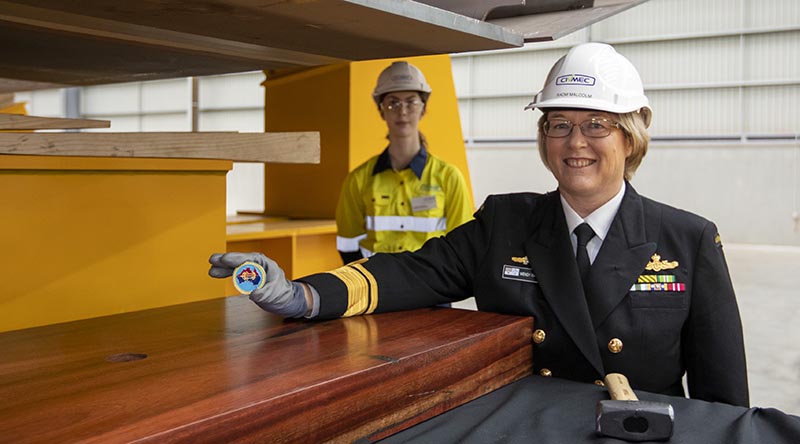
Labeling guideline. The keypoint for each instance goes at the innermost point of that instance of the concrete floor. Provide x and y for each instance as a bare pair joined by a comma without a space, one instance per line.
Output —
766,281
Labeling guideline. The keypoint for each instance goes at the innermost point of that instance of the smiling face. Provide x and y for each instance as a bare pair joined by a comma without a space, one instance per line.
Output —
403,118
589,170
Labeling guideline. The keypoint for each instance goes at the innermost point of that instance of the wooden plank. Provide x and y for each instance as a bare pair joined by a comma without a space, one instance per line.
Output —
21,122
282,147
6,100
225,371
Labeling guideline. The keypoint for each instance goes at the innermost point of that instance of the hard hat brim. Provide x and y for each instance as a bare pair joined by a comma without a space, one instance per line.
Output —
583,103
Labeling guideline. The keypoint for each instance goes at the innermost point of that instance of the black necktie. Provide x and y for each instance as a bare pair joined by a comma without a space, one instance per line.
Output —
584,233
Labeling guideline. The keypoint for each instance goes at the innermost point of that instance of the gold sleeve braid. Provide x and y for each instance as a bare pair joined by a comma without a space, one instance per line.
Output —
362,289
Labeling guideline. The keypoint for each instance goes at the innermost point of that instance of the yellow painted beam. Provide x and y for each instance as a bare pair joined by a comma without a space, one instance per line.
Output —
90,237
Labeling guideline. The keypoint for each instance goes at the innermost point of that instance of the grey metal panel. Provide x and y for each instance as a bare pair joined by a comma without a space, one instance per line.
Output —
477,9
553,25
686,61
671,17
771,13
164,96
512,72
45,103
495,9
772,110
682,18
703,112
772,56
121,123
165,122
502,118
232,91
111,99
95,41
461,74
748,190
250,121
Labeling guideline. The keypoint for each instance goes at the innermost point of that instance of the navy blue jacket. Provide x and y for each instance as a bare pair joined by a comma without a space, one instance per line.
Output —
659,302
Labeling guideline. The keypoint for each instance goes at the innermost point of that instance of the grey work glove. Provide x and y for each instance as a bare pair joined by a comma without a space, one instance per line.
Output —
278,295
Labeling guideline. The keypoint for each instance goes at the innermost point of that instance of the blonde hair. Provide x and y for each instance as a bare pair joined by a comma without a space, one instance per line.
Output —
632,124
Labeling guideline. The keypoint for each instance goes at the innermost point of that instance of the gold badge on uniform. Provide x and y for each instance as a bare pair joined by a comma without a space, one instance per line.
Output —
659,282
520,260
519,272
656,264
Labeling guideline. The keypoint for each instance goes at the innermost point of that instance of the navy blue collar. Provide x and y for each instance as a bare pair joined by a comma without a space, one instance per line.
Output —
417,163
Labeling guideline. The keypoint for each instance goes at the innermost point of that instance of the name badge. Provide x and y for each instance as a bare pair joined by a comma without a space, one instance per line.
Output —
423,203
515,273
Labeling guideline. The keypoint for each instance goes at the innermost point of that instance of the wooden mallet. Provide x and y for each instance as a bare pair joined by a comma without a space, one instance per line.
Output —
625,417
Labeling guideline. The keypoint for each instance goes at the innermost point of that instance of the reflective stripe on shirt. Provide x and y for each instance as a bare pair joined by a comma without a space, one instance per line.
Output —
366,253
406,223
348,244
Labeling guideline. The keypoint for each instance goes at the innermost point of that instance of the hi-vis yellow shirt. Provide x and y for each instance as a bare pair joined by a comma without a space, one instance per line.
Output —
381,210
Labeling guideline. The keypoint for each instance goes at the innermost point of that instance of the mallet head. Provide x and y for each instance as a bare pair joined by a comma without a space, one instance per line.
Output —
635,420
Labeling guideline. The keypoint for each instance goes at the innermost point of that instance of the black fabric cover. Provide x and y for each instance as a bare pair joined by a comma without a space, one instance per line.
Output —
551,410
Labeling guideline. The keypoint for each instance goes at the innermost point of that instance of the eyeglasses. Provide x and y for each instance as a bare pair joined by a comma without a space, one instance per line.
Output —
396,105
590,128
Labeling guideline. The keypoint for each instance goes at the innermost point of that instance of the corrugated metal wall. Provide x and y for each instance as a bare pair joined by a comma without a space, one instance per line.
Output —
723,78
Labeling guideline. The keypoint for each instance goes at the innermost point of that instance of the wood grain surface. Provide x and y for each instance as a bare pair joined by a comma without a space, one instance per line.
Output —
22,122
223,371
283,147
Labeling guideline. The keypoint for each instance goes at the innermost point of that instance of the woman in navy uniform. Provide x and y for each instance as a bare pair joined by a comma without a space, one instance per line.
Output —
616,282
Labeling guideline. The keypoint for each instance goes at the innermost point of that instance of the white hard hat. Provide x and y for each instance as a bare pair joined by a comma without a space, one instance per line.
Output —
401,76
594,76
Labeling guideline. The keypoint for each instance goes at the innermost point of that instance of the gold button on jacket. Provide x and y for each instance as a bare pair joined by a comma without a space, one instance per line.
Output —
538,336
615,345
545,372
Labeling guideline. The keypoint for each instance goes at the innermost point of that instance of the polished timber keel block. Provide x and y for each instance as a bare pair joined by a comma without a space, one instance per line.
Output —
224,371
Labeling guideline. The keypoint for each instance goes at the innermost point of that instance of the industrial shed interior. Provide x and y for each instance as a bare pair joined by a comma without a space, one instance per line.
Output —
733,63
722,76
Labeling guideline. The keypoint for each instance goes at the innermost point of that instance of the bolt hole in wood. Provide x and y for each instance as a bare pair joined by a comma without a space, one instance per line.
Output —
126,357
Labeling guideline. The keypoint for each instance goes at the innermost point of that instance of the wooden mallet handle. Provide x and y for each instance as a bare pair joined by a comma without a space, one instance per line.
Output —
619,388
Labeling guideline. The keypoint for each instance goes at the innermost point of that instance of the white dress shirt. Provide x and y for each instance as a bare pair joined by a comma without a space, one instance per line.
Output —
600,221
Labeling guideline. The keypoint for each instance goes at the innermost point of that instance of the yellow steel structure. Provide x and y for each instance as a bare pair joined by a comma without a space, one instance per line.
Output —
87,237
